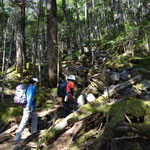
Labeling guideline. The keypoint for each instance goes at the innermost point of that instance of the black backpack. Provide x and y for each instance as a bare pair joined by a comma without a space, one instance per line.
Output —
61,90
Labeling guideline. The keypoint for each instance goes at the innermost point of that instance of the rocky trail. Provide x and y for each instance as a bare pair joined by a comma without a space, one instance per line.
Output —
101,88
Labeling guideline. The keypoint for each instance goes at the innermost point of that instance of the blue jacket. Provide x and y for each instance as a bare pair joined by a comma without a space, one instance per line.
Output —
30,94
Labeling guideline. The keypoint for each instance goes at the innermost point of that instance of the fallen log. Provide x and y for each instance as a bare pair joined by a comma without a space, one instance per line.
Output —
4,137
122,86
84,112
77,127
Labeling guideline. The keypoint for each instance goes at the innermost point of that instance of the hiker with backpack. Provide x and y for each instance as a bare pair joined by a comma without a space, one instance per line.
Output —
69,102
29,110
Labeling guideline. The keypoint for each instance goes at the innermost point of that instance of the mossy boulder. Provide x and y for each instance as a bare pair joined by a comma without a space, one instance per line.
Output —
137,111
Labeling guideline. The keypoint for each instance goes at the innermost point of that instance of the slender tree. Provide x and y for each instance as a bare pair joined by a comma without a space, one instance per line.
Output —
37,31
79,26
87,24
68,25
3,36
6,68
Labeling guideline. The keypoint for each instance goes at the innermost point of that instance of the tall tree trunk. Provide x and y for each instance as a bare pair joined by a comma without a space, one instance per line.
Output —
93,20
4,51
37,32
39,63
79,27
112,12
134,11
33,45
97,26
20,37
43,44
68,25
3,37
43,40
52,41
6,68
87,25
118,14
105,15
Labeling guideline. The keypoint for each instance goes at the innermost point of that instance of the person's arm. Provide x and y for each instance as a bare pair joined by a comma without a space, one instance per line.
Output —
71,90
30,94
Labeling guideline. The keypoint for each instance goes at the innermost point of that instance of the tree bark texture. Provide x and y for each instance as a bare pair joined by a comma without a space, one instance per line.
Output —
79,27
52,41
3,37
68,42
87,25
37,32
20,37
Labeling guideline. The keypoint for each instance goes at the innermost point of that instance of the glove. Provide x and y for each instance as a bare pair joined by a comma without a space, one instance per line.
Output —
32,109
66,98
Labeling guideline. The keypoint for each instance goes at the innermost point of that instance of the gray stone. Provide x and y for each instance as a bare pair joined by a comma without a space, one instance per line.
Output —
115,76
81,100
90,97
124,75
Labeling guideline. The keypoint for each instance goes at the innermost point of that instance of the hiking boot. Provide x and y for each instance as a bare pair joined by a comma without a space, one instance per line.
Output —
73,111
19,140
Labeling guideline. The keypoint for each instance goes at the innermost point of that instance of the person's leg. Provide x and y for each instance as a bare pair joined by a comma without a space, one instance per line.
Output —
66,108
23,123
34,122
72,104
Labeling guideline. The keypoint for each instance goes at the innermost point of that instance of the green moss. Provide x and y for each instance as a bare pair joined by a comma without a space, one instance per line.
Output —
119,61
11,69
10,113
143,62
41,96
116,61
53,90
133,108
81,140
50,134
143,128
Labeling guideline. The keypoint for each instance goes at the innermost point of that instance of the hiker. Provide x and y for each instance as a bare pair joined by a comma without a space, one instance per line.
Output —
69,102
29,110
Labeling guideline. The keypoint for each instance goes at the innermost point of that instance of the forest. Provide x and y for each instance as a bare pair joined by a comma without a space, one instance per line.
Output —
105,44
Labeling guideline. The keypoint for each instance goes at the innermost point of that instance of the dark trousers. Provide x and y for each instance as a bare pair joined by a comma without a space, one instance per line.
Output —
69,106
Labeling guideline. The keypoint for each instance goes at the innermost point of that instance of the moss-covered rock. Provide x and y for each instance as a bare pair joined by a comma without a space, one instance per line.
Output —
138,112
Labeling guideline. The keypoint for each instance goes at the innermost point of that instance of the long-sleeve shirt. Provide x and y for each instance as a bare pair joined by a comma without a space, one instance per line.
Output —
69,89
29,94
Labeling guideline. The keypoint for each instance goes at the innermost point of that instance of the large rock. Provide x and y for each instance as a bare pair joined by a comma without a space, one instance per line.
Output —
81,100
115,76
90,97
124,75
